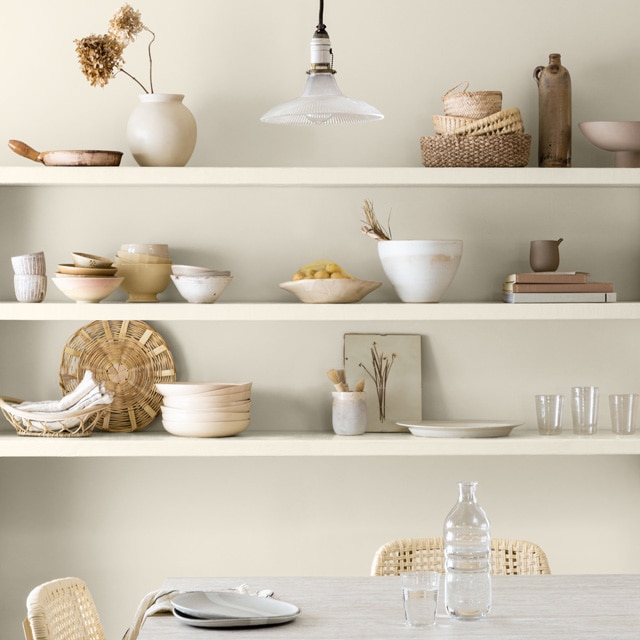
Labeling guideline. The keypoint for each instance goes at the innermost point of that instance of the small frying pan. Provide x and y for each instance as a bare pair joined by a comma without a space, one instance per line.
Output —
67,158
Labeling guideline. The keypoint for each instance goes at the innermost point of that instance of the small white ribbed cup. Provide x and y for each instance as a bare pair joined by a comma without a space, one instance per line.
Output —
29,264
30,288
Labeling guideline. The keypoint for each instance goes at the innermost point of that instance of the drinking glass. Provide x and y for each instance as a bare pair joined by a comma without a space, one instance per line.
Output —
549,411
420,597
584,407
624,411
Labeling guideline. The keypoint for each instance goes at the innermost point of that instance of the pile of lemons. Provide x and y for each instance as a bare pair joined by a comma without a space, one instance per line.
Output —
321,270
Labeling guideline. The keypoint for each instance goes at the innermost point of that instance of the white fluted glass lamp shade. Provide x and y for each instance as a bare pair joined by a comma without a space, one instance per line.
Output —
321,102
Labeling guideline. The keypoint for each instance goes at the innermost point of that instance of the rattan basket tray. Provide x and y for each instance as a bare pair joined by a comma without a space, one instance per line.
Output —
53,425
130,358
494,150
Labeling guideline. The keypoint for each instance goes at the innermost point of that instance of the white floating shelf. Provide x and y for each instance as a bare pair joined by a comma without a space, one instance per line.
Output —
522,441
317,176
299,312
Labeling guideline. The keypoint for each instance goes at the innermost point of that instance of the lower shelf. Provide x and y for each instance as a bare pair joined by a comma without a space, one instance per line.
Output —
157,443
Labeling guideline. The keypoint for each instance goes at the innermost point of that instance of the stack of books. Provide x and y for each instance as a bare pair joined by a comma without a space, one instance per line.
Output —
555,286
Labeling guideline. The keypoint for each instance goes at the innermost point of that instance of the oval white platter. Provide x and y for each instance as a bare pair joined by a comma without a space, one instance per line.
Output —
460,428
211,609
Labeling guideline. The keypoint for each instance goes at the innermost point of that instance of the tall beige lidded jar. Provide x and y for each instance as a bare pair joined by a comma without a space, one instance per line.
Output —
554,113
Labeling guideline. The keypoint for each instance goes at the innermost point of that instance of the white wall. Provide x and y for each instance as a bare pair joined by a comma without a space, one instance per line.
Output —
124,525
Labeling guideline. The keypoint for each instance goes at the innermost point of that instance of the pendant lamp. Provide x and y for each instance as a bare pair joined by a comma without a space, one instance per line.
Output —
321,101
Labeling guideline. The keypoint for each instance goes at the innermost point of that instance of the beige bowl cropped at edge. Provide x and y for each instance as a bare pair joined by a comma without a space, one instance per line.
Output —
87,289
329,290
143,282
201,289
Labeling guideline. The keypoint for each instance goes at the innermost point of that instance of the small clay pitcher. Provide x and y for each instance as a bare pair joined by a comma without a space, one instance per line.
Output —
544,255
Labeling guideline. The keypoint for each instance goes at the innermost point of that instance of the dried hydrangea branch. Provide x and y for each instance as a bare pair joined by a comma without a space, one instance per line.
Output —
101,56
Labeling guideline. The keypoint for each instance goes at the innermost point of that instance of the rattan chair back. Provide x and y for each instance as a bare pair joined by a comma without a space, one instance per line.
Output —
508,557
62,609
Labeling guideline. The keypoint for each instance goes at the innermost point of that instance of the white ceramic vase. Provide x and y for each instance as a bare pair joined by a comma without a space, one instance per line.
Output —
161,131
420,270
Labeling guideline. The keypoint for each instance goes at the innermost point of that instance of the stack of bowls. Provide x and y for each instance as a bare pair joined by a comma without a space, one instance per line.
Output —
146,269
30,277
90,278
205,409
200,285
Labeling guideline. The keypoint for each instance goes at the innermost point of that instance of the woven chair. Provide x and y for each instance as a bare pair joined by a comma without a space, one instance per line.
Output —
508,557
62,609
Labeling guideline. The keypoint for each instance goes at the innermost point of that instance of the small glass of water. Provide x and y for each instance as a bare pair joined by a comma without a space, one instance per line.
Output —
420,596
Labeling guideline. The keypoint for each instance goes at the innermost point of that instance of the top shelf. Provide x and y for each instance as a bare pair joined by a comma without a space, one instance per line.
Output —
38,175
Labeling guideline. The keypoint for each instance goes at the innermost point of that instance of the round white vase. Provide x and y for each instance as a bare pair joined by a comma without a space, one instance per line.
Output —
420,270
161,131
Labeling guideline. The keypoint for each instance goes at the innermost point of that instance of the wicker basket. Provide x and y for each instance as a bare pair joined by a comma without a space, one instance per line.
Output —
447,125
471,104
130,358
68,424
508,150
507,121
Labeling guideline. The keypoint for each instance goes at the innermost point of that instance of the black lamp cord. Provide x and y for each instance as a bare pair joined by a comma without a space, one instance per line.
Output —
321,28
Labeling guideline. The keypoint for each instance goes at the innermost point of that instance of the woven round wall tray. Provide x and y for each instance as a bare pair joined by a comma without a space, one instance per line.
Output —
130,358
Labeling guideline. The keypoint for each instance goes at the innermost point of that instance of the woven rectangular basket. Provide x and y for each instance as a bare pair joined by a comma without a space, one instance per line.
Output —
494,150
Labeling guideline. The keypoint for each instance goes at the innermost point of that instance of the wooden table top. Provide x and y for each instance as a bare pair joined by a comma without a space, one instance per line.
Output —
370,608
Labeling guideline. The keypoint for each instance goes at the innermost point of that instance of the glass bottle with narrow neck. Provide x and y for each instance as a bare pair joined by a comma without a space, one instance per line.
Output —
467,552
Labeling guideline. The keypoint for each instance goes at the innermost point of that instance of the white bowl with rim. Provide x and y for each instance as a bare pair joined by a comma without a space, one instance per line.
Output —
235,402
201,388
191,429
201,289
86,289
204,415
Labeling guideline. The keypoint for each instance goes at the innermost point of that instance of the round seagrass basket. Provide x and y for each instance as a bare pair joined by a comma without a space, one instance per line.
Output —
68,424
506,121
130,358
493,150
471,104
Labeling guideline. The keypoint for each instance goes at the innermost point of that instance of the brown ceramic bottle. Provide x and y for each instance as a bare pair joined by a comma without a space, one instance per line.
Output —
554,114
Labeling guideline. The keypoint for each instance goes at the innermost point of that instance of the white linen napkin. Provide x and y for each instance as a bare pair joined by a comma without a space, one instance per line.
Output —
160,602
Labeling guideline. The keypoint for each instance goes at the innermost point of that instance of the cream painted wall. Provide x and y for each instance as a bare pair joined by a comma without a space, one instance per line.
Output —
124,525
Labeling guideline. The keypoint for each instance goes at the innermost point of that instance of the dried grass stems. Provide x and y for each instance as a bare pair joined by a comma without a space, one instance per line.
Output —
372,226
380,371
100,56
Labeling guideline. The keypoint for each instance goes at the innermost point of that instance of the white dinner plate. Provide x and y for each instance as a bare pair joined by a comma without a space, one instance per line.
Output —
213,609
460,428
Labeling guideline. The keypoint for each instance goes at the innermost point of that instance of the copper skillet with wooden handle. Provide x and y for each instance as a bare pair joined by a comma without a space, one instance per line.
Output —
67,158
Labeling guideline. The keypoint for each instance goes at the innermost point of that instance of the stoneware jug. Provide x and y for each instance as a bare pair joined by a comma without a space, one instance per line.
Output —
554,113
544,255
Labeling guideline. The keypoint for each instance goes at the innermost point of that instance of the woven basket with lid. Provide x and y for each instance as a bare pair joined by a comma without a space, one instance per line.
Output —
471,104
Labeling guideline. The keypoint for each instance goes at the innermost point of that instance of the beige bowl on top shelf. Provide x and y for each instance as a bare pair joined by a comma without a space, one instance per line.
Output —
151,249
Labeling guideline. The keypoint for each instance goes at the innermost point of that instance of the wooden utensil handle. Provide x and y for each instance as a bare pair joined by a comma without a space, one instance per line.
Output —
24,150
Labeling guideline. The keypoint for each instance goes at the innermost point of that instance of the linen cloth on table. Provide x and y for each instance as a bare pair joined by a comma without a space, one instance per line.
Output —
159,601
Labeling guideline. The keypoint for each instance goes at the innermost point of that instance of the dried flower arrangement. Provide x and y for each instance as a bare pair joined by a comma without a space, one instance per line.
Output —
372,227
100,56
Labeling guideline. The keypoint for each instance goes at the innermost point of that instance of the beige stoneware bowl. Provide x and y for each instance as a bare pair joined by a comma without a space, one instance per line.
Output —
328,290
143,282
201,289
190,429
205,415
86,289
201,388
91,261
233,402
